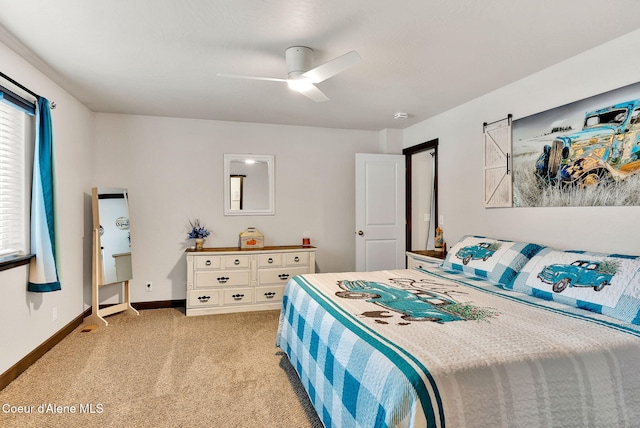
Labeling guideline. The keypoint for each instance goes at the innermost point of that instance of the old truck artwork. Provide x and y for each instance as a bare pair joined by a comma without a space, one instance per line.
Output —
483,251
606,150
581,273
414,305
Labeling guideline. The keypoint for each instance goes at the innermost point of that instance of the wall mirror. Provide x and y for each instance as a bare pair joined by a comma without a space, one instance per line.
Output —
422,195
249,184
111,231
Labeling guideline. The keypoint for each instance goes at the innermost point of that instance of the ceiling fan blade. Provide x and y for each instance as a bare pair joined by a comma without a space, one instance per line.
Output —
314,93
333,67
242,76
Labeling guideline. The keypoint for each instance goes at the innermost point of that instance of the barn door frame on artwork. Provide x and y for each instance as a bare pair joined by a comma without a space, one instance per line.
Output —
497,172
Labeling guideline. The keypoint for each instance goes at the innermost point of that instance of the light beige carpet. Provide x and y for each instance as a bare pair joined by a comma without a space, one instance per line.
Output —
163,369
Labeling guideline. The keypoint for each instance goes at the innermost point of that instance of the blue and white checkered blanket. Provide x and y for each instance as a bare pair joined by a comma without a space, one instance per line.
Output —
414,349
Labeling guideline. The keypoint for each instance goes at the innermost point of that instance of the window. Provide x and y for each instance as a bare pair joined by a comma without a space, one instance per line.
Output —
16,153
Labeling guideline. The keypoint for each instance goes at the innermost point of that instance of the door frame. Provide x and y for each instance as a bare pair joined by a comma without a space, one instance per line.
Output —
408,152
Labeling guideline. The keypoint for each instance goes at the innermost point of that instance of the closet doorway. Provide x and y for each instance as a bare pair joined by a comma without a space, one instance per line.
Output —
421,195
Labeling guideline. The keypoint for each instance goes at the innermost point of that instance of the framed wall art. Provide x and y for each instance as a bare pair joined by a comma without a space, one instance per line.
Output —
586,153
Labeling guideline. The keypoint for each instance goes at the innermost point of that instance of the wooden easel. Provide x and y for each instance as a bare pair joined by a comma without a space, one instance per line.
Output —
97,279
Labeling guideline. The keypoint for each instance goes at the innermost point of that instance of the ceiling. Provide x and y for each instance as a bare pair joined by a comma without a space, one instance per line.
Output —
422,57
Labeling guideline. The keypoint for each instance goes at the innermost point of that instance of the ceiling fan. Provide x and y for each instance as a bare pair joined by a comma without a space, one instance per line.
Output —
301,77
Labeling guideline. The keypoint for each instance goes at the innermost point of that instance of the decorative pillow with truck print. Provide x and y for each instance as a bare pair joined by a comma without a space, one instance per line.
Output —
604,283
493,259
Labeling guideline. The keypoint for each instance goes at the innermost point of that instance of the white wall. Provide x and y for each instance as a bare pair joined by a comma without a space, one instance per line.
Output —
459,131
27,318
173,169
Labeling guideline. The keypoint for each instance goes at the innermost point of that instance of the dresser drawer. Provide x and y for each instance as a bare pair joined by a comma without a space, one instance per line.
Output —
269,260
278,276
238,296
206,262
297,259
420,261
235,262
272,293
204,279
198,298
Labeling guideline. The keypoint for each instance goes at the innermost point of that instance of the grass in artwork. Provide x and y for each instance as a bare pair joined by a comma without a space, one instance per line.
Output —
470,312
529,192
494,246
609,266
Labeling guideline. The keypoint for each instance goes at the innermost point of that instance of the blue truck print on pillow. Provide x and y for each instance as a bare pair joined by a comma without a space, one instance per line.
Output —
483,251
581,273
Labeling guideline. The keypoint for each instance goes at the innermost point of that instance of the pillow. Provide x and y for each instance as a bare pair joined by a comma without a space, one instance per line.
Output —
607,284
496,260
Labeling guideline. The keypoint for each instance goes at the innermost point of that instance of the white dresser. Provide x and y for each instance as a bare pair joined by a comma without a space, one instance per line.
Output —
221,280
418,259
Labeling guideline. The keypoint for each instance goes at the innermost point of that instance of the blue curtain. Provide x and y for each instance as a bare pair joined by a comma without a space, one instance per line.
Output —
43,274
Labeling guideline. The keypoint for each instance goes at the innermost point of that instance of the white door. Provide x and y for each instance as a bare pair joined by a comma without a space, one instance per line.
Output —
380,212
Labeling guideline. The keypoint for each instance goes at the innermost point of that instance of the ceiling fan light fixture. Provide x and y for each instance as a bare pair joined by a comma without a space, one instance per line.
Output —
301,77
299,85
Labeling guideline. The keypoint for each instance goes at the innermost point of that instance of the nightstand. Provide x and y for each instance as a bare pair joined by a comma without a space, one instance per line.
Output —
419,259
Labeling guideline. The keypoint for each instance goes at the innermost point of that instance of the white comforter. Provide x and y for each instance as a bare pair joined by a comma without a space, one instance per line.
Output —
492,358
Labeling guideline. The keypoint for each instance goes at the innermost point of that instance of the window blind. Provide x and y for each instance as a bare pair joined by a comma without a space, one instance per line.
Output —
13,181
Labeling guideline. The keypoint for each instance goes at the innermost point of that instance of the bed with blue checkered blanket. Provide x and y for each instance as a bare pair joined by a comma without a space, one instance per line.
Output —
436,348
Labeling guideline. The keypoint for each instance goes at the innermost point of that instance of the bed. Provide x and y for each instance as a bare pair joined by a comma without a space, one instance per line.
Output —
460,345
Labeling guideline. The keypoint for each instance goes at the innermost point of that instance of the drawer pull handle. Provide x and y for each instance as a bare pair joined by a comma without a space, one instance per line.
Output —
283,276
270,260
207,263
223,279
238,296
236,262
204,299
269,295
296,259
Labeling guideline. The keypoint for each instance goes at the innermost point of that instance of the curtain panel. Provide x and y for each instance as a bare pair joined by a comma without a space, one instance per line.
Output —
43,273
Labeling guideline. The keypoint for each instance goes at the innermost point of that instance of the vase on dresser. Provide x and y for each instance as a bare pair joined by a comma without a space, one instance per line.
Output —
199,243
198,232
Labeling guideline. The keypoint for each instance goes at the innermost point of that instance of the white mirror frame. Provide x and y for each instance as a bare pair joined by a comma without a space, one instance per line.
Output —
270,161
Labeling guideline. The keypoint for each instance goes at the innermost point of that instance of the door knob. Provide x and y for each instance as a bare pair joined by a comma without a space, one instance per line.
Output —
361,233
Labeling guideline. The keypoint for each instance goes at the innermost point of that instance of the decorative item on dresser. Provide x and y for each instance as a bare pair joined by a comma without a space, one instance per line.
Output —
198,232
231,279
251,238
419,259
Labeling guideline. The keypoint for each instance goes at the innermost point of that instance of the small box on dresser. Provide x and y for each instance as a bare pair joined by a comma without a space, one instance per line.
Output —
251,238
231,279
